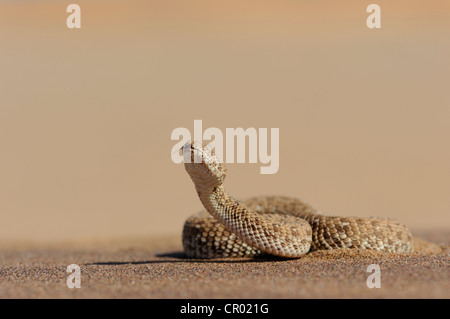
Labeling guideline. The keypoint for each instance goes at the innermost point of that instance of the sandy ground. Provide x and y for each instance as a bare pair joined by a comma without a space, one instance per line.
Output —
155,268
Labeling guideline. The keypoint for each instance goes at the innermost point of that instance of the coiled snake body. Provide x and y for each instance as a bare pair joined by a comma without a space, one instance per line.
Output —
279,226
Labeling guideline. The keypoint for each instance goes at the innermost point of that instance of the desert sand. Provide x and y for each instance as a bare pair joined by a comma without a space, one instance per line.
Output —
156,268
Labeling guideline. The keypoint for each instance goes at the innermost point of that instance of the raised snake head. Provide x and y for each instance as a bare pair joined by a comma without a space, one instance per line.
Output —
205,170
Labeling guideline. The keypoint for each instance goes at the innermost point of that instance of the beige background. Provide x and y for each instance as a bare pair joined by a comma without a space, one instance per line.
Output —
86,115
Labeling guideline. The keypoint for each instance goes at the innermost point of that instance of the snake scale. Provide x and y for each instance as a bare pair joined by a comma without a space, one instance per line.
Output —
274,225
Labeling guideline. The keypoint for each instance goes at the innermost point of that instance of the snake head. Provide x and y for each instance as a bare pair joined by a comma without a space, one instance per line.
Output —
202,166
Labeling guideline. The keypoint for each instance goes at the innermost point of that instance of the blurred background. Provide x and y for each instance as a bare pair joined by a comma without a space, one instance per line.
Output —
86,114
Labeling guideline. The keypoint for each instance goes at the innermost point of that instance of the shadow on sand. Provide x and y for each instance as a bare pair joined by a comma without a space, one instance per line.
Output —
180,257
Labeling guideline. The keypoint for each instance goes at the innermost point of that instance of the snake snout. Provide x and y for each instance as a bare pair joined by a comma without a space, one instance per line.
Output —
193,153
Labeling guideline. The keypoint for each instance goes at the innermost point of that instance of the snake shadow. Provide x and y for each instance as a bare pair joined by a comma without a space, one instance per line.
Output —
180,257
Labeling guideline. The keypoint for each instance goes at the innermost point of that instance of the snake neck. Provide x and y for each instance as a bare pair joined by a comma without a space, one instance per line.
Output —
217,202
226,209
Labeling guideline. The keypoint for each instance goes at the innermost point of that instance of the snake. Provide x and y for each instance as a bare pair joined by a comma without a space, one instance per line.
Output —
278,226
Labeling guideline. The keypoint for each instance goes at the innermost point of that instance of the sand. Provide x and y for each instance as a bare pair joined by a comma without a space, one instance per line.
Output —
156,268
